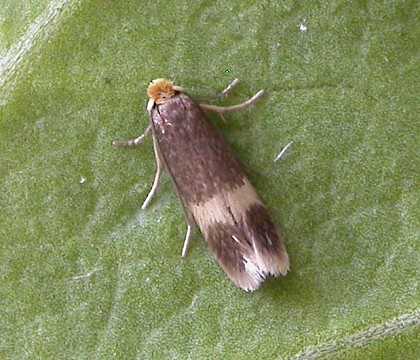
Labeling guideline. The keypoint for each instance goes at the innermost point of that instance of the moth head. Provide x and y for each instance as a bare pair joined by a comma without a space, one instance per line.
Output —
160,90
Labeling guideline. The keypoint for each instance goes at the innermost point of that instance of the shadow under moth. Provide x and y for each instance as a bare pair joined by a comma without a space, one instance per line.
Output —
212,186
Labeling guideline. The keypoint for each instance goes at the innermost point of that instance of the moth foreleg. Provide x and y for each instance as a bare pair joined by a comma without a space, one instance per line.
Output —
221,110
159,168
133,142
220,95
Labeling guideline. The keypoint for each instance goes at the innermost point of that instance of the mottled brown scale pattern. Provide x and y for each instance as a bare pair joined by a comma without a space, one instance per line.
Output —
194,150
256,241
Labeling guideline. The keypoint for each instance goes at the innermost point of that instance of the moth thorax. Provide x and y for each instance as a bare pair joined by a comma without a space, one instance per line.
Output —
160,90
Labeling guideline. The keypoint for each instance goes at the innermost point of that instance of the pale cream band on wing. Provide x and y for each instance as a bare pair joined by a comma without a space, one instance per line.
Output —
225,206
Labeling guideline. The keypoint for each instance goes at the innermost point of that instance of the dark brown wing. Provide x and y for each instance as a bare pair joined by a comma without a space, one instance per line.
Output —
250,249
233,220
194,150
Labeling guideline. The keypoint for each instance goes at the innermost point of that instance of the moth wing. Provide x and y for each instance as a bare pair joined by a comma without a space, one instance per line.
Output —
242,236
211,182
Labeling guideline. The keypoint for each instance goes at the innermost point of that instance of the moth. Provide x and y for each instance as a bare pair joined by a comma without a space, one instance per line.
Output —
214,191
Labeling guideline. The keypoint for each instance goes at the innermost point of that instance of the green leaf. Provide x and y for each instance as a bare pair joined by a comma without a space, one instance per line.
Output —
85,274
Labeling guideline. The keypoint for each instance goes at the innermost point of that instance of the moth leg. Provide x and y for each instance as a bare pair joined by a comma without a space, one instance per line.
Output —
133,142
220,95
221,110
190,227
159,168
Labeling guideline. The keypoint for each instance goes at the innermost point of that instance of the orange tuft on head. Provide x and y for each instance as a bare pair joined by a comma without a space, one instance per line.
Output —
160,90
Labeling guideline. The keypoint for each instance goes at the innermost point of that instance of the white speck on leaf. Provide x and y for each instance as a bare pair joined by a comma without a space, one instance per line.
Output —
303,28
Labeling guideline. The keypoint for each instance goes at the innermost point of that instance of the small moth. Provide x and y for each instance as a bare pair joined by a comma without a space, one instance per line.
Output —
214,191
